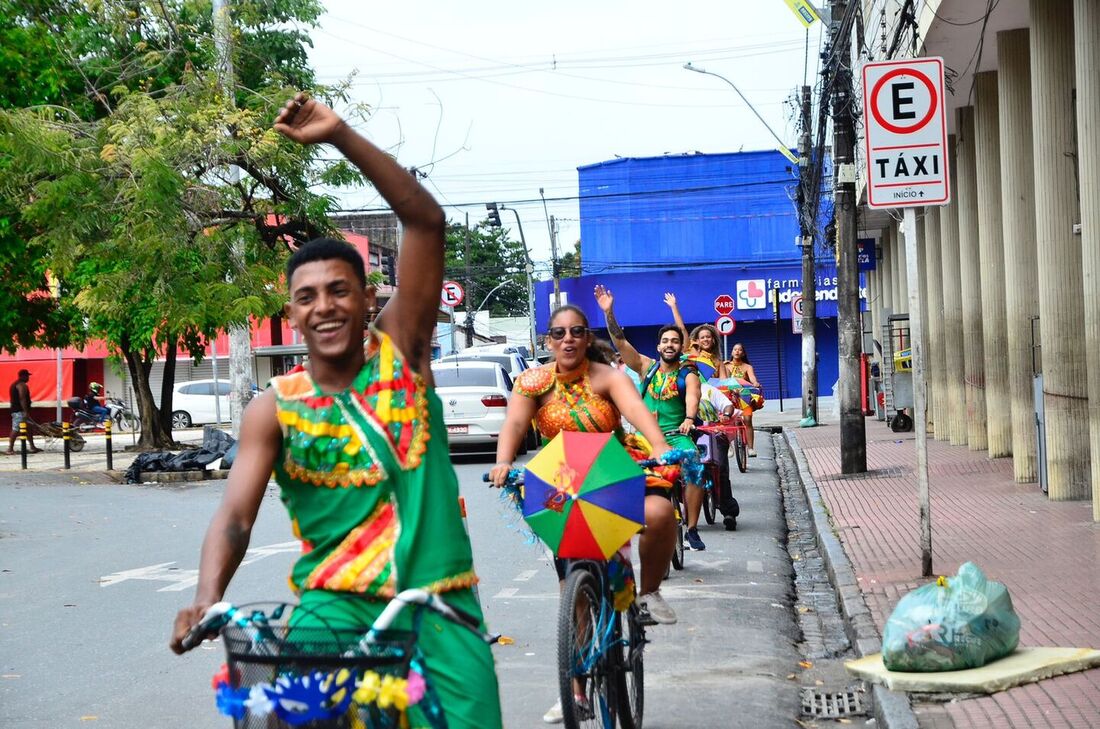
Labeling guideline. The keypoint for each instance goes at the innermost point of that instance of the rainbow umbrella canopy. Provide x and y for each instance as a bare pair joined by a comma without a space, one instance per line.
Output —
584,495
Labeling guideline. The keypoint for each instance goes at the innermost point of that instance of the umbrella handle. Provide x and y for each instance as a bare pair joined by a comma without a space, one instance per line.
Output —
515,476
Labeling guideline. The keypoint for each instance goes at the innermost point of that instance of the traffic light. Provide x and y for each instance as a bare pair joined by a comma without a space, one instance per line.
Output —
389,269
494,214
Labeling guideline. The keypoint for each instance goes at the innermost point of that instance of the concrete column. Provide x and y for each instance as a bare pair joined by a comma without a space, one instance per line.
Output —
970,268
1086,22
933,295
874,303
953,341
987,141
1018,219
1061,285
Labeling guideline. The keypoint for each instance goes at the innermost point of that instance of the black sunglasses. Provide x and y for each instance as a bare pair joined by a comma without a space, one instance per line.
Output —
558,333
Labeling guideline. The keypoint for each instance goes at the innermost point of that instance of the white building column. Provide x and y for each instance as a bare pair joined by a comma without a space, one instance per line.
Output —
933,296
953,340
987,140
1061,285
1018,225
970,268
1086,31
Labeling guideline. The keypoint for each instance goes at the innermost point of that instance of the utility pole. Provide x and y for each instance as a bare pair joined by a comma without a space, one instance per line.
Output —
809,274
555,271
240,334
853,436
469,288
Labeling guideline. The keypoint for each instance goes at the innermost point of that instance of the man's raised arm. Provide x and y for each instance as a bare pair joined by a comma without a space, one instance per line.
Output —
631,356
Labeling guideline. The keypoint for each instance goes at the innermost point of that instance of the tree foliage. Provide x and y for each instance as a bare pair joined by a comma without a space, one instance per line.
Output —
118,174
569,265
493,258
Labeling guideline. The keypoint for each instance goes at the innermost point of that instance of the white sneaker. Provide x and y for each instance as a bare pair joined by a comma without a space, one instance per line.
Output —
653,606
752,453
554,715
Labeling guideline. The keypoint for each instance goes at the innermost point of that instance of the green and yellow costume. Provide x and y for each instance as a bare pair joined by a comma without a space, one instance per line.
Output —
366,477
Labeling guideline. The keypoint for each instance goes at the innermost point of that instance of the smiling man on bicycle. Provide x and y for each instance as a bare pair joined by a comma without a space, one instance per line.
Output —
670,389
358,446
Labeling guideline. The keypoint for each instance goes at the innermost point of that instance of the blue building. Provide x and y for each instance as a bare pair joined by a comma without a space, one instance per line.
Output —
702,226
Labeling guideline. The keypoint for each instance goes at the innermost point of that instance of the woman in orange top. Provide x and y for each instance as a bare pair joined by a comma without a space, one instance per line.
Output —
580,392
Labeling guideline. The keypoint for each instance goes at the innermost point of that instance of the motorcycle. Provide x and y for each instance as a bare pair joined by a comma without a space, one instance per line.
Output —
85,420
123,417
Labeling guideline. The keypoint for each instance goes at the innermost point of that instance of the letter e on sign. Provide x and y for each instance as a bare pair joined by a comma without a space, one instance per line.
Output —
906,133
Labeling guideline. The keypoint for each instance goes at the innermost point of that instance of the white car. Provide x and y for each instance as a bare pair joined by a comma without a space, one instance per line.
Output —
193,403
475,400
512,362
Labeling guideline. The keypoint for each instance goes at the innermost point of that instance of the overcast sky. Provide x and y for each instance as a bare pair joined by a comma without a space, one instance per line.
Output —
496,99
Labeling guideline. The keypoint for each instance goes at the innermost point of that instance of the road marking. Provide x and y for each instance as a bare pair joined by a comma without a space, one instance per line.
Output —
525,576
754,565
181,579
506,593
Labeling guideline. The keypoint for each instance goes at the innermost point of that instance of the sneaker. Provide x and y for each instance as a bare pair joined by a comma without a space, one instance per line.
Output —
694,542
554,715
654,610
752,453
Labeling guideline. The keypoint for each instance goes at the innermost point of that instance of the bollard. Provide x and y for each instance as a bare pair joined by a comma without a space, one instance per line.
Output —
110,454
66,436
23,443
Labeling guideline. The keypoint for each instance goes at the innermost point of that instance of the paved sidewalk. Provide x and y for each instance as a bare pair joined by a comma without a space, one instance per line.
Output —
92,458
1047,553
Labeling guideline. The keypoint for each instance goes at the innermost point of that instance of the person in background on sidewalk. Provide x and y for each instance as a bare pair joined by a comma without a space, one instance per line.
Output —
742,371
91,402
19,396
358,447
670,390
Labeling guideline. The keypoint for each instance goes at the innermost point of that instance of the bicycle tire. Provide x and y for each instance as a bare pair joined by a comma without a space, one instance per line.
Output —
581,586
678,510
630,679
741,452
76,443
710,501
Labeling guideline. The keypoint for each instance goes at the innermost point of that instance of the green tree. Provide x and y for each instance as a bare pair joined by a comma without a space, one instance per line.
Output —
569,265
493,258
120,185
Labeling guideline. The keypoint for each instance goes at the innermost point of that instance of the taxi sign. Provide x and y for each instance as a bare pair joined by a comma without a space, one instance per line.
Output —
906,133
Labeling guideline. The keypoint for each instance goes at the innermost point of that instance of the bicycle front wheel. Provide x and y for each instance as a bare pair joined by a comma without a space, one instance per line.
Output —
630,681
741,451
587,694
681,525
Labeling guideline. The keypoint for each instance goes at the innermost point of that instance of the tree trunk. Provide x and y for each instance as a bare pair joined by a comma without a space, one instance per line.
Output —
168,382
153,435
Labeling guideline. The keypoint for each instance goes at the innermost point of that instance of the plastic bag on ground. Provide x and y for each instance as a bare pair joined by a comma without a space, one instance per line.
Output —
959,622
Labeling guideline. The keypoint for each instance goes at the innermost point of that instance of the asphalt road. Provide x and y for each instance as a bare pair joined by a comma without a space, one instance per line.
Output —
91,575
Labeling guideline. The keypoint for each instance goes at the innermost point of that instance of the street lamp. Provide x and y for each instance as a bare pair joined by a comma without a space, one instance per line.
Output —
529,267
782,145
471,313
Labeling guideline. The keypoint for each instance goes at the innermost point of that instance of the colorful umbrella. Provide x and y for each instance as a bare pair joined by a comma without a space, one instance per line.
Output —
704,363
584,495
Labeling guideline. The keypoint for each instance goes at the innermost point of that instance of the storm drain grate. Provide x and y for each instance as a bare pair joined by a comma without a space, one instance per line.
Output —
831,705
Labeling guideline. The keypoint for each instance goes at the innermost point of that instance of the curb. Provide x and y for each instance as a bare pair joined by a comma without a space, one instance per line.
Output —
892,709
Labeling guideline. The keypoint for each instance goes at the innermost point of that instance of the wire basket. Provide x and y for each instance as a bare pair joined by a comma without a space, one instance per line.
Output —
309,675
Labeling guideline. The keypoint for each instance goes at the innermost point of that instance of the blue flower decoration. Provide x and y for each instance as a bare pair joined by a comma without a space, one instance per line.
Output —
314,697
231,700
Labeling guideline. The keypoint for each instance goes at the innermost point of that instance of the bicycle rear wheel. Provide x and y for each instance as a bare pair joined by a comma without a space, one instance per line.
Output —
581,655
630,681
681,518
741,452
710,498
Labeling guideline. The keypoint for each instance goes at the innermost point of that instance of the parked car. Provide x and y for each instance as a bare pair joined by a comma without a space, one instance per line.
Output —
475,400
512,362
193,402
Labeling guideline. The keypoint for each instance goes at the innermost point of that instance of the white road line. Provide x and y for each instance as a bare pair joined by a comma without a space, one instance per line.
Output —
506,593
525,575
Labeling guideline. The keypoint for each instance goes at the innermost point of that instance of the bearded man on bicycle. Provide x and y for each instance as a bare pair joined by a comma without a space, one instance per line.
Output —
670,389
358,446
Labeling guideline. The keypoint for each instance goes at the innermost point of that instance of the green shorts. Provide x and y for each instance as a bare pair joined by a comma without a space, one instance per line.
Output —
459,663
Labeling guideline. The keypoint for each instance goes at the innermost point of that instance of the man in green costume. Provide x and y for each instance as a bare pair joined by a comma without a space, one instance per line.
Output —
671,390
357,444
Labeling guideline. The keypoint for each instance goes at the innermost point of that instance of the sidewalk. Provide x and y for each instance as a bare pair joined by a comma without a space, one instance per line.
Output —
93,457
1045,552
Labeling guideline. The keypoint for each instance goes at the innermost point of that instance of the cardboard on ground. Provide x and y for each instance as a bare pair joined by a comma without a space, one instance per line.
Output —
1025,665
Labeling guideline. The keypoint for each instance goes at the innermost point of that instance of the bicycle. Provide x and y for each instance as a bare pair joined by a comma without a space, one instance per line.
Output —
599,647
325,678
714,441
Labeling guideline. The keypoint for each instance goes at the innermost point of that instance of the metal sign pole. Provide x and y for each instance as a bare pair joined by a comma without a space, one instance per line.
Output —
920,417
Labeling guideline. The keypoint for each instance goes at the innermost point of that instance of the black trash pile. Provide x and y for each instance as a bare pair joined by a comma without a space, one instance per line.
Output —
216,445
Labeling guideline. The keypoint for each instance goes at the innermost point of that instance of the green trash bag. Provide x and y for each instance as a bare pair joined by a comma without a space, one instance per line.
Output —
952,624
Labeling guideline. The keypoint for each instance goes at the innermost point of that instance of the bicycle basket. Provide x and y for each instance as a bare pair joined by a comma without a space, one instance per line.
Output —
330,678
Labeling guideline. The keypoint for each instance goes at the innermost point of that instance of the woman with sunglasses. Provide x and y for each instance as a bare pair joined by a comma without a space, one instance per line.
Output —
579,391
